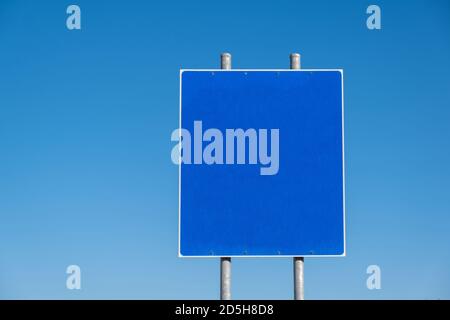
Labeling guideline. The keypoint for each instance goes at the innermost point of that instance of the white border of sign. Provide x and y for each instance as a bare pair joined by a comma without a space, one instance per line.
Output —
343,167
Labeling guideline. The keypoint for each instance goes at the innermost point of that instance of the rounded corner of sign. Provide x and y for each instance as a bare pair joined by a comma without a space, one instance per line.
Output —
180,252
341,72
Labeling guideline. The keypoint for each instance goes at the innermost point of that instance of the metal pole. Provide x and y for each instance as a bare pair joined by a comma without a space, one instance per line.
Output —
225,262
295,61
225,61
299,284
225,278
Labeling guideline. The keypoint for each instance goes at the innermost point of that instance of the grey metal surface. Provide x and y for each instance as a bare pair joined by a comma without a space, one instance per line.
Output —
225,262
225,278
299,263
225,60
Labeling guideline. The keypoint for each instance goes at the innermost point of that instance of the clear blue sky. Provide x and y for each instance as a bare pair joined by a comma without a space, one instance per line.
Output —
86,176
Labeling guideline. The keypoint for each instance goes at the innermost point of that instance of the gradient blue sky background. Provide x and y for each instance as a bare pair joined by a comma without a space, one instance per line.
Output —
86,116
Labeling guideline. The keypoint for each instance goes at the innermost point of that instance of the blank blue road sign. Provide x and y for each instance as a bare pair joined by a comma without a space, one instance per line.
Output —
230,207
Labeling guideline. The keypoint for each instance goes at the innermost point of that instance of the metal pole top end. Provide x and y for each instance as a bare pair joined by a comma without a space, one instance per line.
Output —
295,60
225,60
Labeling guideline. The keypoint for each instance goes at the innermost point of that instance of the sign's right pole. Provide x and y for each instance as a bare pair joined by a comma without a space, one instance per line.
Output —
225,262
299,284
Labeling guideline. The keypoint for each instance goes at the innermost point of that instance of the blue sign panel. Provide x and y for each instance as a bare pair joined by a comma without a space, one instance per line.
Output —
262,169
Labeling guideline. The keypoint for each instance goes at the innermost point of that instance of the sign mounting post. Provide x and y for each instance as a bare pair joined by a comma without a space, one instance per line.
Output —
299,289
225,262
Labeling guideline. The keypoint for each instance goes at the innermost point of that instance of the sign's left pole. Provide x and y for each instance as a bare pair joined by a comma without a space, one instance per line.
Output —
225,262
